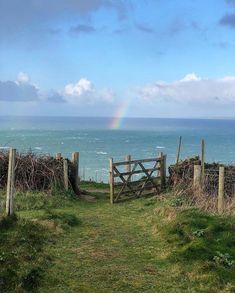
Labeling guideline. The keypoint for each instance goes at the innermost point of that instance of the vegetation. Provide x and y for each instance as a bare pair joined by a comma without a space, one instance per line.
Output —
58,243
22,255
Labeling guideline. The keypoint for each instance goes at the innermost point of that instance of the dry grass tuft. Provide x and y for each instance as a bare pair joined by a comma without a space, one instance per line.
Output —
187,196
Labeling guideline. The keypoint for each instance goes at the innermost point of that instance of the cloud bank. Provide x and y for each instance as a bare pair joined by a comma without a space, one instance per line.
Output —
185,95
20,90
191,89
17,15
83,92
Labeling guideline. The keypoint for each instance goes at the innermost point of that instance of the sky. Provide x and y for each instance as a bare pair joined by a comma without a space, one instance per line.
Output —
145,58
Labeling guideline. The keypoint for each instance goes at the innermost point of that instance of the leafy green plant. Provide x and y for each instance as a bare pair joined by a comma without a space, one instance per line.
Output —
224,259
198,233
177,202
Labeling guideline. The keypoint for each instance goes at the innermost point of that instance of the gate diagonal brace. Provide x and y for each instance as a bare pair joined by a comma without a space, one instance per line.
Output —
126,183
147,179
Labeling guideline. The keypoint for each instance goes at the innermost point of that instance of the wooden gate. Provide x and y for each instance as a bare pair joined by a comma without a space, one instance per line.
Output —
123,184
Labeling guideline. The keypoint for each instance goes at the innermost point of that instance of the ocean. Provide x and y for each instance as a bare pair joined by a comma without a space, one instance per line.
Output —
96,141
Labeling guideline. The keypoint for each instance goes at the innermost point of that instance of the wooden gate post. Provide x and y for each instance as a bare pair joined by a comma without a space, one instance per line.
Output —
163,170
58,156
66,174
10,182
111,180
197,177
221,190
128,166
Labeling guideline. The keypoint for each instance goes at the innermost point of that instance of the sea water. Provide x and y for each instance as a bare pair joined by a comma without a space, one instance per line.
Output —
139,137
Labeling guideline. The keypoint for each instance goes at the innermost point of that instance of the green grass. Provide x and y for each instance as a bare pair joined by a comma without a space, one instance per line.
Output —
145,245
22,257
207,242
94,185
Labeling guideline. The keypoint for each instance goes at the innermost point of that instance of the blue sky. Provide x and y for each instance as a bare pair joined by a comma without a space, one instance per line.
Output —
149,58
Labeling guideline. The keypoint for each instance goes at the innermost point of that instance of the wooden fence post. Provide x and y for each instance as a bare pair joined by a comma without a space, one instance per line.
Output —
203,160
178,151
58,156
66,174
75,180
221,190
75,161
197,177
10,183
111,180
163,170
128,166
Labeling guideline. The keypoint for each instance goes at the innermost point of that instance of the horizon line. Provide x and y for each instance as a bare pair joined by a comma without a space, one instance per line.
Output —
114,117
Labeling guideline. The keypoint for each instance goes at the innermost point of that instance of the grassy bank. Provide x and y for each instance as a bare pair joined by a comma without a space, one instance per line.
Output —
146,245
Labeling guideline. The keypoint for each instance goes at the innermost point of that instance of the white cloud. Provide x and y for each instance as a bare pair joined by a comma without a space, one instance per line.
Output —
228,78
83,86
191,90
190,77
84,91
23,77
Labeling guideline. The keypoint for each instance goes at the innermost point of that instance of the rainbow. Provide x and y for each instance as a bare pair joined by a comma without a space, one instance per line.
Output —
119,115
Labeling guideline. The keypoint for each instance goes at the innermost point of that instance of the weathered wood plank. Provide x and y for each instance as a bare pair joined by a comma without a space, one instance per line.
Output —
197,177
127,184
137,182
203,160
10,183
178,150
66,174
147,179
111,181
147,184
137,172
137,161
75,180
163,170
128,166
221,190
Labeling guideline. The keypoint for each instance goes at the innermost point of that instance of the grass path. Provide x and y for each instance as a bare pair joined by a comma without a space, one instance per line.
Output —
119,248
112,251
